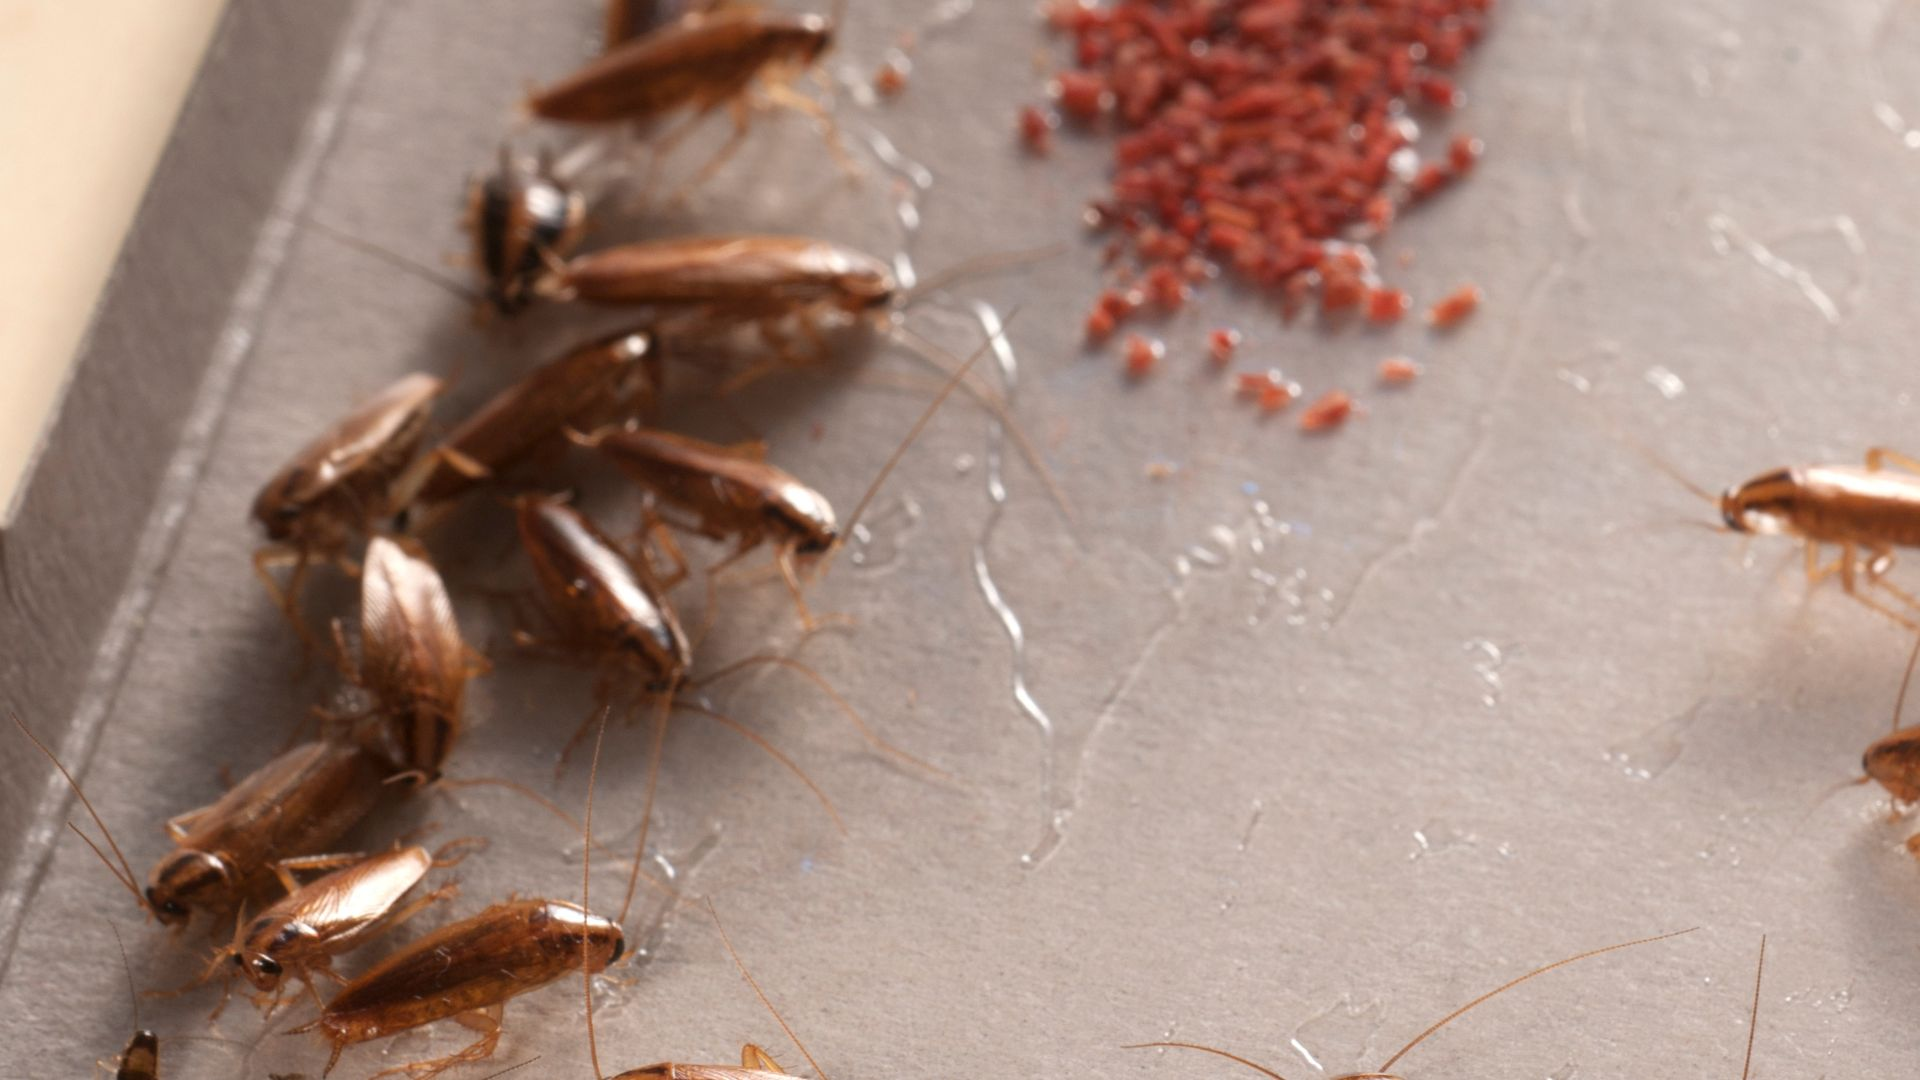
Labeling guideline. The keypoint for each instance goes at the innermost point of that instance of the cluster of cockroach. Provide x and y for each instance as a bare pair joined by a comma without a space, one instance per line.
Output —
366,493
1864,512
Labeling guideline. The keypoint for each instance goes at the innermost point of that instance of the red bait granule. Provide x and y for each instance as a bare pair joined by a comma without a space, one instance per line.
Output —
1329,412
1277,395
1036,131
890,79
1387,305
1398,371
1272,137
1221,344
1142,356
1453,307
1082,95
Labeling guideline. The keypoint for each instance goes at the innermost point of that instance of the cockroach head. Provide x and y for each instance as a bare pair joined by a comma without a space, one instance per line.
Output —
181,880
809,36
1761,505
1894,763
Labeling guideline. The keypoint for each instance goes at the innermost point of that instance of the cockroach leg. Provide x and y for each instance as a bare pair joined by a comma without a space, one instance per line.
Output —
286,868
486,1021
740,111
1879,457
786,97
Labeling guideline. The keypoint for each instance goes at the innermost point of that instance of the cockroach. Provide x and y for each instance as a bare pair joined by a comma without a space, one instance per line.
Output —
521,220
467,970
1381,1073
733,492
413,661
606,379
1872,509
698,62
299,936
297,804
343,483
1893,761
728,278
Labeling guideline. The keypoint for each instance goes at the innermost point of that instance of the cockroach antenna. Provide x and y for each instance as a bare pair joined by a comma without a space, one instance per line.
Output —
395,259
920,425
586,888
1381,1072
762,994
1753,1017
122,872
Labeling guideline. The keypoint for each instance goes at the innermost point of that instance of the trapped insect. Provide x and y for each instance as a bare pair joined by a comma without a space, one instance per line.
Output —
520,220
698,62
467,970
604,380
1872,510
732,492
1381,1073
299,935
413,660
224,853
348,481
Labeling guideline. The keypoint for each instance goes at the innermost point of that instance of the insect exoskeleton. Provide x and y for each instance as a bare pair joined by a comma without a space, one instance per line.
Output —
299,936
468,969
601,381
522,219
298,804
1871,510
697,62
763,277
1381,1073
602,602
341,484
413,660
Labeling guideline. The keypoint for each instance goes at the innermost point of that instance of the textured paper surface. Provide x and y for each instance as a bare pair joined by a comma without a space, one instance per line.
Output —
1296,841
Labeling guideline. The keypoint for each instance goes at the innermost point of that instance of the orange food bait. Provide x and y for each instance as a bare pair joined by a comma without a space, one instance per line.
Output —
1398,371
1142,356
1036,131
1453,307
1221,345
1329,412
890,79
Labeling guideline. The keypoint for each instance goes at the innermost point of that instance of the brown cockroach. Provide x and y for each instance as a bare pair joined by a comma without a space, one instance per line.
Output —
1893,761
728,279
698,62
413,661
1381,1073
224,853
298,936
609,606
467,970
607,378
733,492
521,220
1871,509
141,1059
357,473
